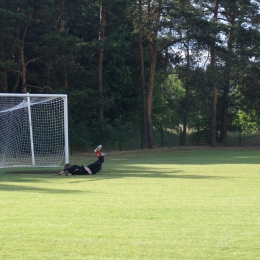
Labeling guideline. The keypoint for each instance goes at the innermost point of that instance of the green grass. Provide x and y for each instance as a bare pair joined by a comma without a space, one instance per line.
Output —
164,204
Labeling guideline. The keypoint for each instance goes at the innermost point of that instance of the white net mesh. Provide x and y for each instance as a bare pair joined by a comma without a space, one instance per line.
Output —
39,144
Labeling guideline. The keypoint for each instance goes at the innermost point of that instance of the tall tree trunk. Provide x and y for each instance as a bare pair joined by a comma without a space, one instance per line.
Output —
62,16
48,75
22,64
3,76
23,68
17,75
153,56
100,67
62,28
153,35
140,41
186,106
213,125
224,112
65,77
185,118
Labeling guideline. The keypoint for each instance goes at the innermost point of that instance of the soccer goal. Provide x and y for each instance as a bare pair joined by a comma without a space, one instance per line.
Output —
33,130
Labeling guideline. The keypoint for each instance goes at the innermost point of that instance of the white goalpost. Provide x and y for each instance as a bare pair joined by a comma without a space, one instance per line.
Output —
33,130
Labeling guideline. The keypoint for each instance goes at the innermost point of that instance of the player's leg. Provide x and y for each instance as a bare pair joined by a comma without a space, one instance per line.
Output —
100,159
97,150
97,165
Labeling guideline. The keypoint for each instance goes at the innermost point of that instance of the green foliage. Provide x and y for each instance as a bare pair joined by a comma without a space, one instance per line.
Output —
248,121
61,56
167,97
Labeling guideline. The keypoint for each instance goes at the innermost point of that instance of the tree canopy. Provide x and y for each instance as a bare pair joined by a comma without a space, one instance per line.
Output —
145,63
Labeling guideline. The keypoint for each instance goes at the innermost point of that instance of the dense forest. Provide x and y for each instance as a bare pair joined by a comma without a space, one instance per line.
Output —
148,64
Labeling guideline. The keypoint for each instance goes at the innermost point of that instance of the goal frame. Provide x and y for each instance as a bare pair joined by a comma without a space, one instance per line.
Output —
65,111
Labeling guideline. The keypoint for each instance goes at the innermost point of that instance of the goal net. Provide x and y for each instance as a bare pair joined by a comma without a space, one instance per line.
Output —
33,130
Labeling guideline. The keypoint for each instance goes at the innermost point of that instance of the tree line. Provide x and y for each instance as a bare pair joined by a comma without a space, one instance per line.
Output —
144,63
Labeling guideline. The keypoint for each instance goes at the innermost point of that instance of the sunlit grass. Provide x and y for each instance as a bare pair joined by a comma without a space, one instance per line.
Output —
166,204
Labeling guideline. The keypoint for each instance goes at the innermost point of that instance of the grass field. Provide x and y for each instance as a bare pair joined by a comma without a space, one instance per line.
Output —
195,203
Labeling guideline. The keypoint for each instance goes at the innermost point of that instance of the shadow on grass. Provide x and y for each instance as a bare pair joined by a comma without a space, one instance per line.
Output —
107,174
15,188
103,175
21,182
32,172
140,173
118,175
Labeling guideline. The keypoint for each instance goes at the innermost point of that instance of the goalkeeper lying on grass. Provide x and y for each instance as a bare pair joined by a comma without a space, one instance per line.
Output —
92,168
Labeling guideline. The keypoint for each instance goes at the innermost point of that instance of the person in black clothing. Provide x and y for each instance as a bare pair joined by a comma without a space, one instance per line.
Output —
92,168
